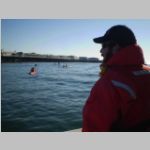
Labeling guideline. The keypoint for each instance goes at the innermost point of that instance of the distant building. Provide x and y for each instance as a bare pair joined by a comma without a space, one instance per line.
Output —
83,58
93,59
71,57
31,55
7,53
12,56
19,54
53,57
63,57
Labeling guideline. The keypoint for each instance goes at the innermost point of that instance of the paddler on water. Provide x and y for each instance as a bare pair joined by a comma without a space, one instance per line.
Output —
33,70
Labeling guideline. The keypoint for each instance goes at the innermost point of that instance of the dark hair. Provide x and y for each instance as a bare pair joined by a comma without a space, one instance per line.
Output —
119,34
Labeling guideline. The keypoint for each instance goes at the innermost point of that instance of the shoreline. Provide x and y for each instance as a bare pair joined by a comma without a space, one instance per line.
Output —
12,59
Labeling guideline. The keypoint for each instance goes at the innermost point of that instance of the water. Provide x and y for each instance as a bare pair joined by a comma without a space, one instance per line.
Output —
52,101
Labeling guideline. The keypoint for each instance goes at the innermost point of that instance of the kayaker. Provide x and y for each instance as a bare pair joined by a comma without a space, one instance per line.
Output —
33,70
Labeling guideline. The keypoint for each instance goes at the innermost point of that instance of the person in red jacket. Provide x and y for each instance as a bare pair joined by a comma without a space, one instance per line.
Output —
120,99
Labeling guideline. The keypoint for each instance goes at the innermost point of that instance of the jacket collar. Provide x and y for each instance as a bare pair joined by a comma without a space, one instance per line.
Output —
131,55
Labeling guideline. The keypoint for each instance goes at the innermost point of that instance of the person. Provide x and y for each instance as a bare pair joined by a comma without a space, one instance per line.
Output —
33,70
120,100
65,65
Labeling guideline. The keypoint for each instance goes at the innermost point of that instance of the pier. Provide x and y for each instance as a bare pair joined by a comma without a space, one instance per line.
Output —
14,59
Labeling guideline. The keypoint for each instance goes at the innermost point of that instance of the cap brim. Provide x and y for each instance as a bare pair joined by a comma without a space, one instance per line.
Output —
99,39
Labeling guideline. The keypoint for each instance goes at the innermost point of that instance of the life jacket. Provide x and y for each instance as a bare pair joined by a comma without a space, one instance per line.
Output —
127,107
134,82
130,76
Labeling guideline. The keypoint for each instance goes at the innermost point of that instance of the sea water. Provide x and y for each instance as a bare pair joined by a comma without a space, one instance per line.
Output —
51,101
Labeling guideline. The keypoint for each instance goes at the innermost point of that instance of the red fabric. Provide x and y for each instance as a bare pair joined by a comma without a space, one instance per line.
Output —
110,108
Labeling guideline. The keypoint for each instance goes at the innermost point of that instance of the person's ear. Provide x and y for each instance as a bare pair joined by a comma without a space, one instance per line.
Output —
115,48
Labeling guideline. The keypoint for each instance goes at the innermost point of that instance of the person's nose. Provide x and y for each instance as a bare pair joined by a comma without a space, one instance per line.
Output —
101,50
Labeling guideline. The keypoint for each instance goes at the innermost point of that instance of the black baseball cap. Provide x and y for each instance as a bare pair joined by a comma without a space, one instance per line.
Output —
119,34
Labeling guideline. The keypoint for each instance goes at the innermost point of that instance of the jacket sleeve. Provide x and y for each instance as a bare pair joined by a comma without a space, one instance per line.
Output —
101,108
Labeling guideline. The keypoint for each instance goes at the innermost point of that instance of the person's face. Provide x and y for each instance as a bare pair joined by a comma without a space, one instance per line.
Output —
104,50
108,49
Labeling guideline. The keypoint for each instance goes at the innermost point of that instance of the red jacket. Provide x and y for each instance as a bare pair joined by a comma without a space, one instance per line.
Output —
120,99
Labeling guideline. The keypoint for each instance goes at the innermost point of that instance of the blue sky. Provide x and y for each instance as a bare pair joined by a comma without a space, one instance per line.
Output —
66,36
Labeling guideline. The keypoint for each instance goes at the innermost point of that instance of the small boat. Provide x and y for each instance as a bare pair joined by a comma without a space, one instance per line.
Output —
33,73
